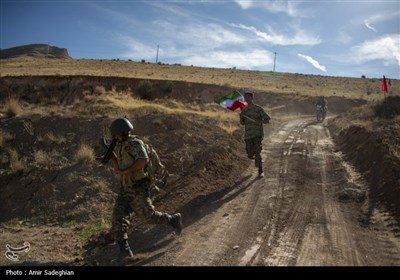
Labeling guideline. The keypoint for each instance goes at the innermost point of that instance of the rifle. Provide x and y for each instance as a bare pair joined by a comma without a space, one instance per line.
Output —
109,147
253,120
247,117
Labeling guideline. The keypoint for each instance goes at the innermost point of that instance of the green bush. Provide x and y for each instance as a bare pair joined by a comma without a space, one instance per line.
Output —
145,90
167,87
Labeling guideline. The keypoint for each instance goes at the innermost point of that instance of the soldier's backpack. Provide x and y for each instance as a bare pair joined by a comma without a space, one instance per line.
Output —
155,170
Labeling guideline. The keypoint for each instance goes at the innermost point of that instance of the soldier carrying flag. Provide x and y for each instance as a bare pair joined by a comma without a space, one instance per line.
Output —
252,116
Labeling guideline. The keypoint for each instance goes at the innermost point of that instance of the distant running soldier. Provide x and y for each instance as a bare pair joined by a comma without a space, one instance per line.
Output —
323,103
130,157
253,117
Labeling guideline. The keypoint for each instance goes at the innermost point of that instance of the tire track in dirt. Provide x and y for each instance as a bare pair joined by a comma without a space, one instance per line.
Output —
244,218
315,231
281,145
290,217
239,227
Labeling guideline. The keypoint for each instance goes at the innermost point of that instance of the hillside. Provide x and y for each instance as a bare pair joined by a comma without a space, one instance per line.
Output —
330,195
35,51
260,81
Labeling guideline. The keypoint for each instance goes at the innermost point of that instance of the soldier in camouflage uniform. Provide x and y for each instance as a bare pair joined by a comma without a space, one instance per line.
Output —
253,117
129,158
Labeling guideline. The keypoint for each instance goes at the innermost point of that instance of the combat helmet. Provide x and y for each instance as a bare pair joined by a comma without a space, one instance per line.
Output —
120,125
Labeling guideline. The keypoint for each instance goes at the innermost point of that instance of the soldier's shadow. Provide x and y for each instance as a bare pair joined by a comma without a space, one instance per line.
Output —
149,242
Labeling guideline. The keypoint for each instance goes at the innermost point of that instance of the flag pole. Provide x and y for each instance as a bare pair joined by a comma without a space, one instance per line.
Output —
247,117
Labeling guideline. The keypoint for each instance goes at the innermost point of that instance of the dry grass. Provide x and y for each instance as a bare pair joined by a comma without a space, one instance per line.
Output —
264,81
116,104
57,139
16,164
12,107
85,154
364,113
4,137
229,127
395,149
101,184
41,158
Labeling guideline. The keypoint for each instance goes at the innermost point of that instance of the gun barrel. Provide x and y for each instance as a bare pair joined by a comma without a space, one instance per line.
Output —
109,152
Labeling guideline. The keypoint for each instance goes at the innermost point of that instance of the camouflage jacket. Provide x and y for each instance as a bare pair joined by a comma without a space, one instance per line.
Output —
251,128
127,152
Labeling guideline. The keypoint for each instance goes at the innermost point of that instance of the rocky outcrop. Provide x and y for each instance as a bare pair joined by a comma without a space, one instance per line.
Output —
35,50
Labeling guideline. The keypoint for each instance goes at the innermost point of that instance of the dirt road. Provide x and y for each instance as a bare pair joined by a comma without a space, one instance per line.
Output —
293,216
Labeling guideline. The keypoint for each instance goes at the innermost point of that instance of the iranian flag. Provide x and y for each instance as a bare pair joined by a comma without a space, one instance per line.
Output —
232,101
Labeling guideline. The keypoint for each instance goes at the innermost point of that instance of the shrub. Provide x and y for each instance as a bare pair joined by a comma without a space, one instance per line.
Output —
167,87
85,154
42,158
12,107
99,90
145,89
16,164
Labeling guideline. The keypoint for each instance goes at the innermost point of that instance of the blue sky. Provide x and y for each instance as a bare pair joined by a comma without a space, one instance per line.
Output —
332,38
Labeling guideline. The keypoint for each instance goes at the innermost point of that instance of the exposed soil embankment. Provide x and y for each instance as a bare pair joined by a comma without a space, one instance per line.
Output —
51,185
368,152
66,90
372,145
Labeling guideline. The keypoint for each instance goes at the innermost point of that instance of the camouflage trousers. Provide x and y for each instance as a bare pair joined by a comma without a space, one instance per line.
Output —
136,200
254,148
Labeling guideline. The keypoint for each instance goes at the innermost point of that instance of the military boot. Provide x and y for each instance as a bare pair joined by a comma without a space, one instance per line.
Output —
124,249
176,222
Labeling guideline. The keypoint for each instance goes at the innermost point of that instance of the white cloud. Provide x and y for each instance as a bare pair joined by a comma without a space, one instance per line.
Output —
379,18
367,24
207,34
226,59
287,7
244,4
386,48
300,38
313,62
180,41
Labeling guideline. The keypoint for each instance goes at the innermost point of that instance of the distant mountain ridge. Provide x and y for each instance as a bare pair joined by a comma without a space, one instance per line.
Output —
35,50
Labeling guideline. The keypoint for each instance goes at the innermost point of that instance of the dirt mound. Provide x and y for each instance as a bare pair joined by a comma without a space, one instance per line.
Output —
70,89
370,151
35,50
389,108
193,150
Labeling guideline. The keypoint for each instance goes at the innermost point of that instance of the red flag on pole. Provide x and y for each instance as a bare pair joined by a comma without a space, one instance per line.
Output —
384,85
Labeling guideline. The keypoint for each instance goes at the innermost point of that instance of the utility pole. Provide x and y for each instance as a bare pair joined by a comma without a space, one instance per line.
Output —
157,55
274,60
